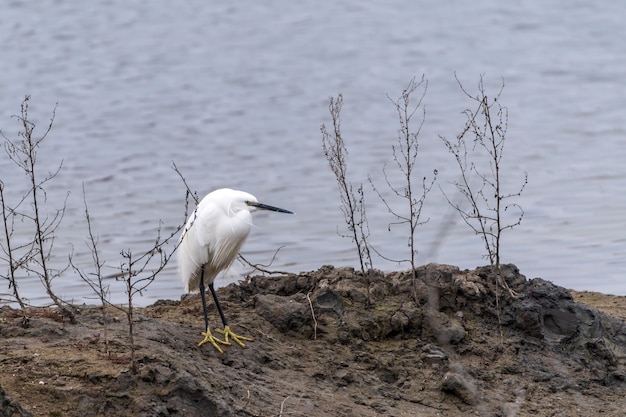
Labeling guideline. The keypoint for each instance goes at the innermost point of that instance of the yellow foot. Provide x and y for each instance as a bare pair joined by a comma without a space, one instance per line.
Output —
209,338
229,334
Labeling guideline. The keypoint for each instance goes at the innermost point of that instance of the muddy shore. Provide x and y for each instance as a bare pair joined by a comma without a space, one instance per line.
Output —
331,343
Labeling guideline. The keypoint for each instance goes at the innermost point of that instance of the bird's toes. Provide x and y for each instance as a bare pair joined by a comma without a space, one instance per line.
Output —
229,334
209,338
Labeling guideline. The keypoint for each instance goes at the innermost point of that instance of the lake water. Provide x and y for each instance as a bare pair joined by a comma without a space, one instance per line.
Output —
235,93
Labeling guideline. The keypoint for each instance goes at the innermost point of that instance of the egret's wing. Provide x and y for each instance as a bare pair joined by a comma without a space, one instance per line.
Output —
212,240
220,235
215,237
205,229
196,246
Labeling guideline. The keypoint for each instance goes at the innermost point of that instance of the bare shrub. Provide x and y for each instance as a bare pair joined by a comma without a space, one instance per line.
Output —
135,271
9,251
352,207
405,153
32,255
485,207
96,279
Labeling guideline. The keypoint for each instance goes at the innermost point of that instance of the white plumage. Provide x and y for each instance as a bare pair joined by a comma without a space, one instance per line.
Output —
213,235
210,243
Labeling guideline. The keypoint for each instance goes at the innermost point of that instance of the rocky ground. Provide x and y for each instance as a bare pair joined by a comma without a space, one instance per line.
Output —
331,343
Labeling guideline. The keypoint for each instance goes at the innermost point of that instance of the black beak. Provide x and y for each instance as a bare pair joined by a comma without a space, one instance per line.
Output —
262,206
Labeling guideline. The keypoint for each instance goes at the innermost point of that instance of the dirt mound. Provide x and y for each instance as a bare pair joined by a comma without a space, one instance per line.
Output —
330,342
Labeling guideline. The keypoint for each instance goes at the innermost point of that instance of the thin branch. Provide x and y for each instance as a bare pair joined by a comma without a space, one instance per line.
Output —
405,152
353,208
486,127
261,267
312,315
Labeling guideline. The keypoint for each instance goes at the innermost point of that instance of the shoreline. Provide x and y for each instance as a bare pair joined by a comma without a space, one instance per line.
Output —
329,342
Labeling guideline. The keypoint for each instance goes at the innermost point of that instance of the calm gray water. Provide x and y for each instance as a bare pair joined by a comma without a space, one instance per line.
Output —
235,93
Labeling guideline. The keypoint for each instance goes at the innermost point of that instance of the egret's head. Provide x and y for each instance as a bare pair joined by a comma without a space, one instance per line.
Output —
240,200
235,200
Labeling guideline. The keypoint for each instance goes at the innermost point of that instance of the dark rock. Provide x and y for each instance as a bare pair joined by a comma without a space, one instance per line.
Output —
548,312
357,296
460,386
379,289
329,300
10,408
285,315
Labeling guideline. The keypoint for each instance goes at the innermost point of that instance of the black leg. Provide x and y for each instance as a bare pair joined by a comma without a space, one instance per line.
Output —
217,304
203,296
228,334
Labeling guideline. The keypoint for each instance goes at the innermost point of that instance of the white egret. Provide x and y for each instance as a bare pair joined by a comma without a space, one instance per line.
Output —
210,243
